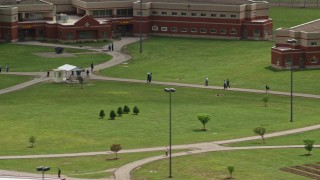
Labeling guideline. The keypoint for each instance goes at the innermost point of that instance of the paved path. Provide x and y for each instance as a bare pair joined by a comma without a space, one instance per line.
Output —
123,173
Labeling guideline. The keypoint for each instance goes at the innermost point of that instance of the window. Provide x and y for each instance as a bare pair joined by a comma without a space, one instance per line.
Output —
233,31
102,13
154,28
174,29
69,36
203,14
222,15
125,12
86,34
174,13
164,13
256,32
203,30
314,60
183,29
213,30
223,31
139,13
213,15
314,43
154,12
41,33
164,29
288,62
193,14
104,35
233,16
193,30
33,16
183,14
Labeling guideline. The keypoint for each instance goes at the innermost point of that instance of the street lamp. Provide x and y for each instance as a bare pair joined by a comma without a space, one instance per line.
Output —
43,169
292,42
170,90
140,26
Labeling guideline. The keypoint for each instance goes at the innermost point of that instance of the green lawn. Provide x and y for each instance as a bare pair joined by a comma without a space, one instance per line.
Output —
22,58
249,164
11,80
64,117
92,167
245,63
293,139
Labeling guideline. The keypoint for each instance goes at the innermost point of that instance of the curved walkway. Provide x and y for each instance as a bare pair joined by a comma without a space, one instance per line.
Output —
123,173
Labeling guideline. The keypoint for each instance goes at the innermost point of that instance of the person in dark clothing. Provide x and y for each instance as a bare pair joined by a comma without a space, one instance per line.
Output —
267,88
224,84
0,68
59,172
91,67
148,77
48,73
7,68
228,83
112,47
206,81
87,73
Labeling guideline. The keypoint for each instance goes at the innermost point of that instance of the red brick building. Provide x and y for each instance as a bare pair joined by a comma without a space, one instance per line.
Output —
304,53
83,20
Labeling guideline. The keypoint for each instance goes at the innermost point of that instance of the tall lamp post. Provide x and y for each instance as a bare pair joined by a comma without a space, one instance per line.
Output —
140,26
292,42
170,90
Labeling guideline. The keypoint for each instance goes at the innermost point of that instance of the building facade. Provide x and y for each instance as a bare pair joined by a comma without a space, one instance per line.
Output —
81,20
304,53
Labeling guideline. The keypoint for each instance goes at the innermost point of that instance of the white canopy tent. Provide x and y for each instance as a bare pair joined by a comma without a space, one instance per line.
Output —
59,75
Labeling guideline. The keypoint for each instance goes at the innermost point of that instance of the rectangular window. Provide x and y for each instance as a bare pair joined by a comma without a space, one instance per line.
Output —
102,13
183,14
203,14
213,15
154,12
174,29
164,29
183,30
213,30
256,32
124,12
174,13
155,28
233,16
33,16
139,13
86,34
288,62
69,36
314,43
164,13
193,14
104,35
193,30
203,30
223,31
41,33
233,31
223,15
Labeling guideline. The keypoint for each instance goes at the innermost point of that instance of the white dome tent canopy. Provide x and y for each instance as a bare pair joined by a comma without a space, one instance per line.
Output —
62,73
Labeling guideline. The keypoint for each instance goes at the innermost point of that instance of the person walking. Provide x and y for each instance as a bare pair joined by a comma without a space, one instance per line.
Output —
87,73
7,68
267,88
206,81
109,47
224,84
0,68
148,77
59,172
112,47
48,73
228,83
166,150
91,66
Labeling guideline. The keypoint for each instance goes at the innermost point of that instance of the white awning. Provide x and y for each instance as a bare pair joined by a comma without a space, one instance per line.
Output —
67,67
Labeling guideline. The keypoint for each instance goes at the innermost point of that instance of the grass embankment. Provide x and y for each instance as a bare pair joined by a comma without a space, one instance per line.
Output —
64,117
249,164
11,80
22,58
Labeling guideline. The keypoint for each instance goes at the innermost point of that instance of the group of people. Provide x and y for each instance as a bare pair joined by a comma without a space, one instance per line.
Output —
226,84
110,47
149,77
7,68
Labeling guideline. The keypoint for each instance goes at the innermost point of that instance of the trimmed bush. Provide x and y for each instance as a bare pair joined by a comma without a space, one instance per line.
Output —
136,110
112,115
102,114
126,109
120,111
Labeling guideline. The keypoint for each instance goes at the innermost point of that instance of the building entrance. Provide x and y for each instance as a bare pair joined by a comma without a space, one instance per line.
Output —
27,34
124,30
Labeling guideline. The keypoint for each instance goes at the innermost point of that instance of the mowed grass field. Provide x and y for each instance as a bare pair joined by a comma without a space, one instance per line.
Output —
11,80
64,117
249,164
22,58
247,64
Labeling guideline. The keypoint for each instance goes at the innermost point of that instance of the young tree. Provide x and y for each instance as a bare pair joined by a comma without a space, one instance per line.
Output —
102,114
308,145
260,131
120,111
204,119
136,110
32,140
126,109
81,80
112,114
230,170
115,148
265,99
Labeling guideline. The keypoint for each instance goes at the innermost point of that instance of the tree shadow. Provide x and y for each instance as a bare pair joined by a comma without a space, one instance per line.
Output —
112,159
305,155
199,130
30,147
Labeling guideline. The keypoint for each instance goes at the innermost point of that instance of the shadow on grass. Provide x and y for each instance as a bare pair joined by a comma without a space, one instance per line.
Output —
305,155
112,159
199,130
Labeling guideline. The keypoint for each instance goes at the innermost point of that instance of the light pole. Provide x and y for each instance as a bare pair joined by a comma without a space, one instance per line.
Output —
292,42
170,90
140,26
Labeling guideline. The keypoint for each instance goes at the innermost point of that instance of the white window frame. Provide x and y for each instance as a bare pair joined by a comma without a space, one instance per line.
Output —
314,43
183,29
223,15
203,14
193,30
223,31
155,28
203,30
164,13
193,14
164,29
213,31
174,13
174,29
233,31
183,13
